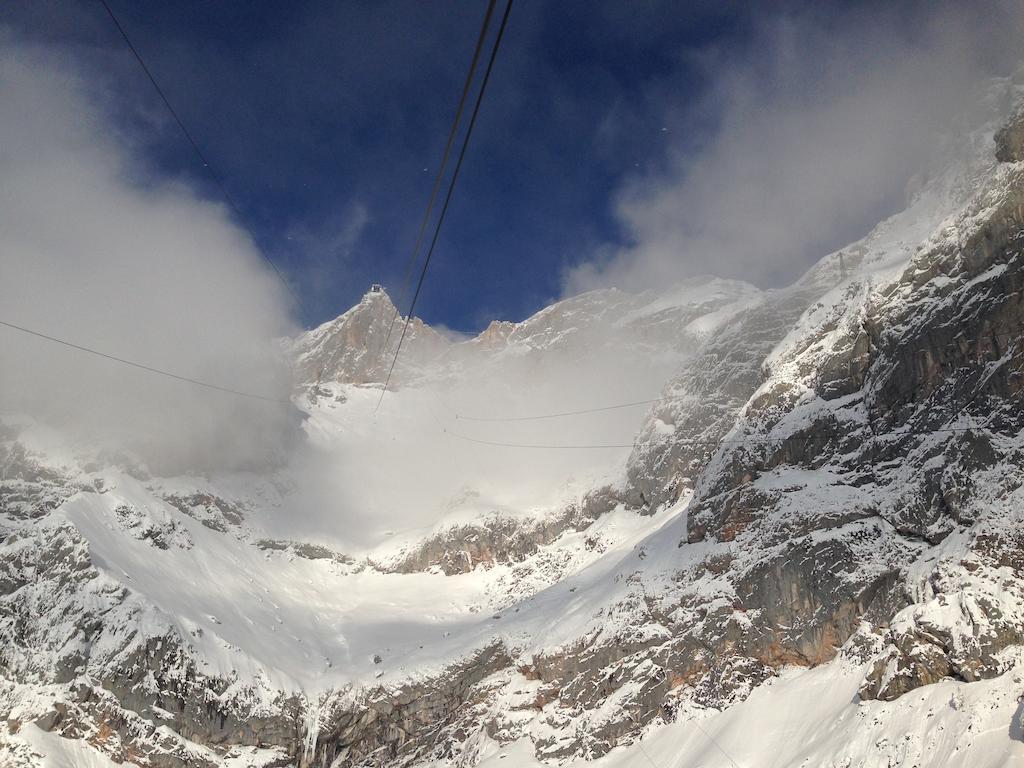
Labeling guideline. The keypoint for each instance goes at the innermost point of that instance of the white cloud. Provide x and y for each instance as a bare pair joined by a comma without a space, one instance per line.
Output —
821,124
95,250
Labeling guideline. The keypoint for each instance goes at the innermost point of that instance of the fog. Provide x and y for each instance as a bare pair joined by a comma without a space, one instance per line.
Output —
98,250
818,128
458,436
439,447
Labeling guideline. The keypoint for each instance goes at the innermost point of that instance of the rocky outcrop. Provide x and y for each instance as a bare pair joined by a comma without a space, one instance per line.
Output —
29,488
699,407
214,512
399,726
968,615
305,549
495,336
63,622
498,540
491,541
1010,141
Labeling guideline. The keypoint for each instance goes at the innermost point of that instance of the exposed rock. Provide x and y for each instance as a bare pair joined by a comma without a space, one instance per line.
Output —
699,407
161,532
305,549
215,513
29,488
351,348
395,727
496,539
1010,141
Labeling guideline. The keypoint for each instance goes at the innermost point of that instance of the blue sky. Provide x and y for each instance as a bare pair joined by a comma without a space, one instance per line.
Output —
327,120
322,118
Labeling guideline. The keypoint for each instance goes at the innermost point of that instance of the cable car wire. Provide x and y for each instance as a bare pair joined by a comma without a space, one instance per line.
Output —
448,196
406,280
619,406
143,367
217,180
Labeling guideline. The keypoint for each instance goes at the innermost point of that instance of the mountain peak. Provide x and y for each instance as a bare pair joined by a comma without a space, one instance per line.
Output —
356,347
376,293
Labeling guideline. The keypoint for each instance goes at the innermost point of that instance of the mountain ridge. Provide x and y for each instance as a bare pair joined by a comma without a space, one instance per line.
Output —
826,495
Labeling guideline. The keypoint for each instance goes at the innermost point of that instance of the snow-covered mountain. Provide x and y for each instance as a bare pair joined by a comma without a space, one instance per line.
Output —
798,546
662,327
358,346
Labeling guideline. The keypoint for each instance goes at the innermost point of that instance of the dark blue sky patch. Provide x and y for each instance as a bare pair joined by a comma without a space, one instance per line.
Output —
326,122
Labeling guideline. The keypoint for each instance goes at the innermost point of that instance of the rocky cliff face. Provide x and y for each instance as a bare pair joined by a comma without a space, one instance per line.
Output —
834,475
358,347
871,442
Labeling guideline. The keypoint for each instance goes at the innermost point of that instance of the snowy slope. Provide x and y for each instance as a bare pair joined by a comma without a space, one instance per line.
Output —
810,718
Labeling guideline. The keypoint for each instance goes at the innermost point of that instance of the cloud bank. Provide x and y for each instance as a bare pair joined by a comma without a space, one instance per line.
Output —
819,127
97,251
